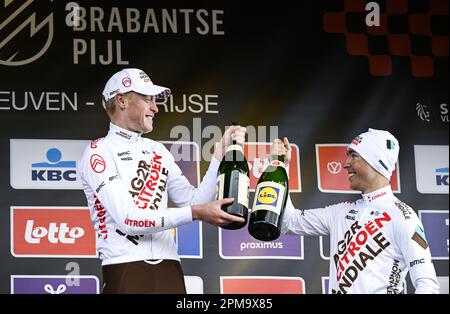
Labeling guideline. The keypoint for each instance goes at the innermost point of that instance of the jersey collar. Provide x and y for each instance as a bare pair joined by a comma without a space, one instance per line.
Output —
118,134
378,195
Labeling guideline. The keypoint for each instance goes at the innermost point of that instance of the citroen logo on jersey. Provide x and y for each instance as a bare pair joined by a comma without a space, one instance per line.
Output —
18,19
98,163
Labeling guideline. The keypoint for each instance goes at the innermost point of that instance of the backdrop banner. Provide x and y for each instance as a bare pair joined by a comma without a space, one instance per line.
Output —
317,72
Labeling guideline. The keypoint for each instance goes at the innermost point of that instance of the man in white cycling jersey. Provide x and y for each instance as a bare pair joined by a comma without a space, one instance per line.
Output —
128,180
375,240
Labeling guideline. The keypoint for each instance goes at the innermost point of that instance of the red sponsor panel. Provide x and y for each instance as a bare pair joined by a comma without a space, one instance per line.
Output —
257,155
262,285
332,176
52,232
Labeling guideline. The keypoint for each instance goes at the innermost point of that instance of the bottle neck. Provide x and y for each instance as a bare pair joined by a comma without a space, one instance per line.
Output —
233,142
278,161
235,147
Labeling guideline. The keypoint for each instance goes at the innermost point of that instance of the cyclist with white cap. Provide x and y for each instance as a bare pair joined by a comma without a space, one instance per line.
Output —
376,240
128,180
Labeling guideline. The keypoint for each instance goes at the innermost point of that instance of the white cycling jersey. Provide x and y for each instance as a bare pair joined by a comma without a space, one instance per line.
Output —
373,243
128,180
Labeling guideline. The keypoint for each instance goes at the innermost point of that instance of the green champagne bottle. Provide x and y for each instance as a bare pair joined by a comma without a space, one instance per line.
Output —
233,182
269,203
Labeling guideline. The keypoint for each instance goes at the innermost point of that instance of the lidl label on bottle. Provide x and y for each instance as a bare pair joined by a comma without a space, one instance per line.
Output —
243,192
269,196
219,186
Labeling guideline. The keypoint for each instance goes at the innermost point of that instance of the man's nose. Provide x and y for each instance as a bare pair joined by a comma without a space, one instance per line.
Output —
347,163
154,107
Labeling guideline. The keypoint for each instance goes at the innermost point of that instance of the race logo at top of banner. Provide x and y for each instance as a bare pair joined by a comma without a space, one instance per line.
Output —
30,19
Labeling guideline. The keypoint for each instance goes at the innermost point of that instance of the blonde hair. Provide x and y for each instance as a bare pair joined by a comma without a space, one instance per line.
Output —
110,106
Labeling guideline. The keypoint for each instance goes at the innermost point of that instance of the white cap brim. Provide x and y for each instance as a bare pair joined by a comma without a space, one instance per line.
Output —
155,90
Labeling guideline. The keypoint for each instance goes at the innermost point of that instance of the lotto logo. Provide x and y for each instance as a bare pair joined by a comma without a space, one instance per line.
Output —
331,175
52,232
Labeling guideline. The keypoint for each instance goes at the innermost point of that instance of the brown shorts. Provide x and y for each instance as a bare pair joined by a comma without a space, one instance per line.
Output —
144,277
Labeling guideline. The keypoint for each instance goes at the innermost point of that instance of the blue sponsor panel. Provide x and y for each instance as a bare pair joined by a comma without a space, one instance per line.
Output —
435,223
189,240
188,237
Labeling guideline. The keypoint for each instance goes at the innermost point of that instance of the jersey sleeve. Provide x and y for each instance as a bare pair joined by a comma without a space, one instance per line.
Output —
306,221
183,193
410,237
100,179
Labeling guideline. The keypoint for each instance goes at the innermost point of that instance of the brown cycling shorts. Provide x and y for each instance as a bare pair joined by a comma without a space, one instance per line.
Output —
144,277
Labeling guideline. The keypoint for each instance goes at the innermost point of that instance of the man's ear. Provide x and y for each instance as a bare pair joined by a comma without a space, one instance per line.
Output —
121,100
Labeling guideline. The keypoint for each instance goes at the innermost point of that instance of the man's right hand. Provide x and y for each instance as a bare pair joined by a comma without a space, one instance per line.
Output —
281,148
232,133
213,214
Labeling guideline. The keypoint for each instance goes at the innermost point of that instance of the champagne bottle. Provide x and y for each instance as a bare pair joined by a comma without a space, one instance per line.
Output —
269,203
233,182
